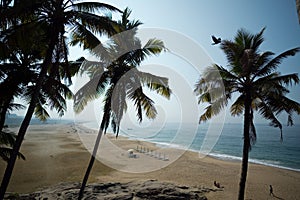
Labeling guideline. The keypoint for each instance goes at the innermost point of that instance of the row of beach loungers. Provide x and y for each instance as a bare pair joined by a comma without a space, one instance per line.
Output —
151,153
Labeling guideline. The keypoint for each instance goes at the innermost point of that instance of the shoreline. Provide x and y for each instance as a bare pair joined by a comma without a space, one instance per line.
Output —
220,156
55,154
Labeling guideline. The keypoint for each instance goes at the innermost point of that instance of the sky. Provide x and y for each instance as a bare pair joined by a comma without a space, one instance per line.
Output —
187,26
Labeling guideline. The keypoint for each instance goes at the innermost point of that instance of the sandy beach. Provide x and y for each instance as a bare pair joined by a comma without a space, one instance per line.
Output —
56,153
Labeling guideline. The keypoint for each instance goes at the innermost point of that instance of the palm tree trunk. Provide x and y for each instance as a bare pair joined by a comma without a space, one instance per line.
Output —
27,118
3,115
91,163
246,146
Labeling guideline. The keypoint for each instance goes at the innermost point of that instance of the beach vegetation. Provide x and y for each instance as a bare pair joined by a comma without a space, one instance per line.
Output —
253,76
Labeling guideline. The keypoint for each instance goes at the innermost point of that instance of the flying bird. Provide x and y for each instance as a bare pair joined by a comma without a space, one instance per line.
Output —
215,40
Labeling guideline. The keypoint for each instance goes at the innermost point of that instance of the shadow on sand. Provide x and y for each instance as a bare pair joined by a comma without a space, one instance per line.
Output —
277,197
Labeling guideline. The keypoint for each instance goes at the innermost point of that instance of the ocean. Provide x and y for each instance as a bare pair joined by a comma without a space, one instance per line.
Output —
268,149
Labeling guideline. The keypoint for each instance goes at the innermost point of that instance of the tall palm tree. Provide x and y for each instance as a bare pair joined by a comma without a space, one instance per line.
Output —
117,78
16,72
53,17
254,76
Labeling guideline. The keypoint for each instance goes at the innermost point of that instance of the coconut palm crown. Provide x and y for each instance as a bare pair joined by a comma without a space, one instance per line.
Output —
253,75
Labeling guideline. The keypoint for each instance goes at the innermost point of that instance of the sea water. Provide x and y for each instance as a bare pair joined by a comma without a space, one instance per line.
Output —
268,149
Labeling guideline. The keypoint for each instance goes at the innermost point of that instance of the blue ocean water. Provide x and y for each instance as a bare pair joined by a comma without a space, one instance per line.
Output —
268,149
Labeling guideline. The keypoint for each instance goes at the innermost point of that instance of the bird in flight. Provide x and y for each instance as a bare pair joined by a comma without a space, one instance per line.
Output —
215,40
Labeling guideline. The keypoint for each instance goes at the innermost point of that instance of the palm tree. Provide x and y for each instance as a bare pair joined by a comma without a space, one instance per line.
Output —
117,78
252,74
52,17
18,73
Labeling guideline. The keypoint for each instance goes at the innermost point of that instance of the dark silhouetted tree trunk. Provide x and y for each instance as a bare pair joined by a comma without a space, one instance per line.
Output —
3,114
91,163
246,147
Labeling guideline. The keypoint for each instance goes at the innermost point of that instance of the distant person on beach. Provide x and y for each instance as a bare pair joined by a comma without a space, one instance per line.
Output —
271,191
217,184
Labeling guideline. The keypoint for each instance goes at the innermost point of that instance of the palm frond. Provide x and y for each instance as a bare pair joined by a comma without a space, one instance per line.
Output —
70,68
211,86
92,68
107,109
40,112
5,153
257,40
94,6
267,113
16,106
135,54
156,83
118,105
82,36
57,99
7,138
125,24
262,60
90,91
287,80
210,79
275,84
264,81
225,74
237,108
232,52
290,107
98,25
213,109
244,39
142,101
154,46
280,103
273,64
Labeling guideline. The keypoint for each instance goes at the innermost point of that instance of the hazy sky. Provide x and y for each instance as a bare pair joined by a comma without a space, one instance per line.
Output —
195,21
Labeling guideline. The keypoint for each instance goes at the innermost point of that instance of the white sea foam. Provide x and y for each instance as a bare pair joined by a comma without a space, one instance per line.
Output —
270,163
